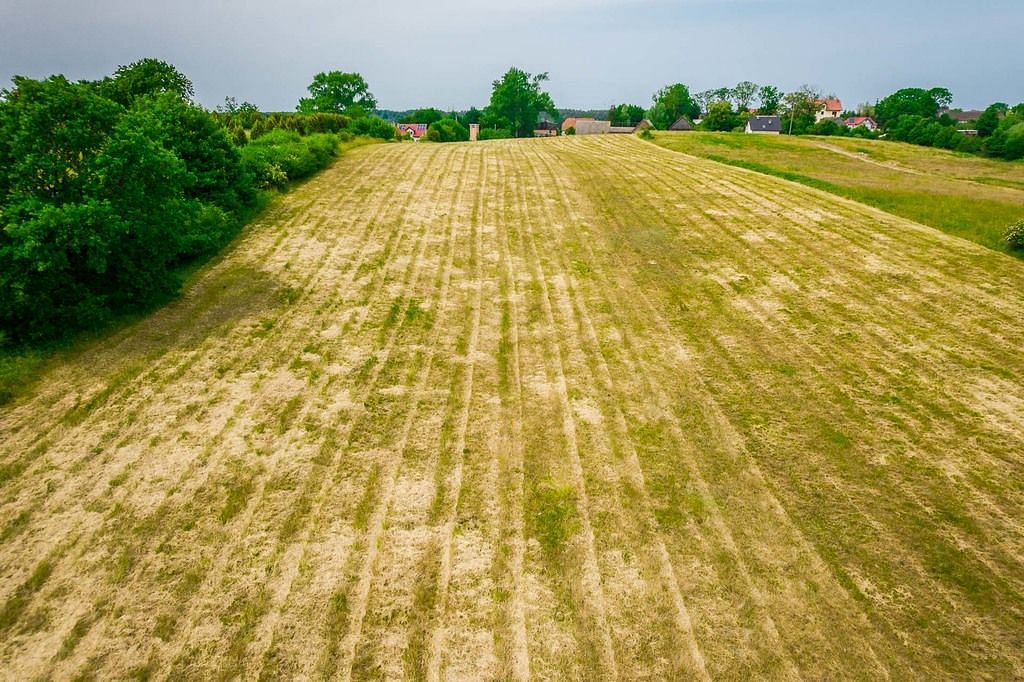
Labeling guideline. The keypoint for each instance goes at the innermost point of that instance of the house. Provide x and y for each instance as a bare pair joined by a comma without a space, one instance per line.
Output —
682,125
858,121
545,129
571,123
764,125
588,126
828,110
963,116
621,130
412,130
644,124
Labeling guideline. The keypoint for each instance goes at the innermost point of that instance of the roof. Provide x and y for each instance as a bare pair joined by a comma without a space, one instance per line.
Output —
682,124
965,116
591,127
855,121
418,130
764,124
545,125
830,104
571,121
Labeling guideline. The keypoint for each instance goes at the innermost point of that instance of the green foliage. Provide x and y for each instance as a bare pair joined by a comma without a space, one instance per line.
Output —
496,134
912,102
671,102
989,120
429,115
1014,236
517,100
770,98
799,110
371,126
447,130
145,77
626,114
340,93
282,156
571,130
720,117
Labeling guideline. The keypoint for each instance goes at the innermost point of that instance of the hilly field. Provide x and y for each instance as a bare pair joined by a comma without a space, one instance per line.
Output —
579,408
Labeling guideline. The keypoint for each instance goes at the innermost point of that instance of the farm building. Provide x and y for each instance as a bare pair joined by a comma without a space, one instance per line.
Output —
828,110
764,125
964,116
413,130
571,123
588,126
682,125
546,129
858,121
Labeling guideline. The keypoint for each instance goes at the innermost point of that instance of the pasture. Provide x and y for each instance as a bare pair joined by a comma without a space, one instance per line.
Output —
961,194
579,408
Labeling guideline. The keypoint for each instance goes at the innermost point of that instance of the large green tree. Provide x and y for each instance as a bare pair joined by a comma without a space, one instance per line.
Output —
626,114
770,97
912,102
720,117
517,100
670,103
145,77
743,95
340,93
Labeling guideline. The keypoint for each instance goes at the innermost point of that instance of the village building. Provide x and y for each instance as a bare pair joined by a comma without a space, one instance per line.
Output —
858,121
589,126
764,125
828,110
545,129
571,123
682,125
415,131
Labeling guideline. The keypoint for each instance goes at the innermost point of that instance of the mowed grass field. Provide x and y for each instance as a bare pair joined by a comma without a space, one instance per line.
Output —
578,408
964,195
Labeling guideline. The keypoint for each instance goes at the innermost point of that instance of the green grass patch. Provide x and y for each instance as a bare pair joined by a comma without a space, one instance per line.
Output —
554,517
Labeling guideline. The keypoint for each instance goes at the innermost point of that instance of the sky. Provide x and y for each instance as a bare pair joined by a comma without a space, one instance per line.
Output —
446,53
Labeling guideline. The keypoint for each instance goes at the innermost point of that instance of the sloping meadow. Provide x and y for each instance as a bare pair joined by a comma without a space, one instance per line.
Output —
578,408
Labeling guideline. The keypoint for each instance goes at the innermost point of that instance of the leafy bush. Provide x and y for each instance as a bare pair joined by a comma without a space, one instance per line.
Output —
281,156
371,126
1014,235
646,134
495,134
447,130
571,130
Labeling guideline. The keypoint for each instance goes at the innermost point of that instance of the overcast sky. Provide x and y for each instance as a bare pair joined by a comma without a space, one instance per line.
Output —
446,53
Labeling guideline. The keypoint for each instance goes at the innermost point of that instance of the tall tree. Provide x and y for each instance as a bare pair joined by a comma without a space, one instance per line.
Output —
800,109
145,77
989,120
517,100
670,103
912,102
340,93
626,114
771,98
743,95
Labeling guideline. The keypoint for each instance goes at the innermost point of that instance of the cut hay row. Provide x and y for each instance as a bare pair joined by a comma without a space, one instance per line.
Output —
557,409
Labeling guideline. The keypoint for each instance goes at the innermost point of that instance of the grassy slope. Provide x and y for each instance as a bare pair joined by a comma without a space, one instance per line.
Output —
970,197
576,408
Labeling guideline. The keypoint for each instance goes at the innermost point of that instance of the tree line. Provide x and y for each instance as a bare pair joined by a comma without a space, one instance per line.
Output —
109,189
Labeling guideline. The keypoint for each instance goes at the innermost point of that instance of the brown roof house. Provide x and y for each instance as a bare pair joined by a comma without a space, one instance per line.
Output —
828,110
682,125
